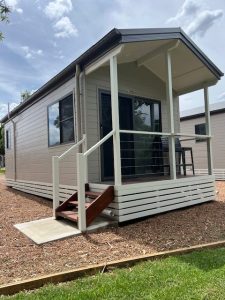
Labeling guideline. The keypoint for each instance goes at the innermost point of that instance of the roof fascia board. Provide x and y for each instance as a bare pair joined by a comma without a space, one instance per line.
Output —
143,31
149,37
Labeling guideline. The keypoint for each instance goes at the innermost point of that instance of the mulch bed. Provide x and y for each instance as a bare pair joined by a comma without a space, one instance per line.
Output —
21,259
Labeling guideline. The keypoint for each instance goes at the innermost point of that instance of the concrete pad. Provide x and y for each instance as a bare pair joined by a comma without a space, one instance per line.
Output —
49,229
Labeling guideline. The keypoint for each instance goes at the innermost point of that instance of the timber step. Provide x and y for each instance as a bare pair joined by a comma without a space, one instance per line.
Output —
97,202
92,195
75,203
68,214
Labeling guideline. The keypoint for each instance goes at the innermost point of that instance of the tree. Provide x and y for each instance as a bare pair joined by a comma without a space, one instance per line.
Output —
4,12
2,147
25,95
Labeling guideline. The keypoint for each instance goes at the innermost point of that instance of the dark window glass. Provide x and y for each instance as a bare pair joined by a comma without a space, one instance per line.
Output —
66,108
67,132
8,139
200,129
61,122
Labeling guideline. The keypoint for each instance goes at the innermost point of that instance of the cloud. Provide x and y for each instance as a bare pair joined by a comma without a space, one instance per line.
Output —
65,28
13,5
4,108
57,8
203,22
30,53
195,18
188,9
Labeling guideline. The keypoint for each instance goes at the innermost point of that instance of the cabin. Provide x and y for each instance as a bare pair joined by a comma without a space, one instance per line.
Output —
104,135
193,121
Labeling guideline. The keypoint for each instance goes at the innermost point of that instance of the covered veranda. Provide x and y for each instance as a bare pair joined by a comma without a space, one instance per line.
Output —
182,67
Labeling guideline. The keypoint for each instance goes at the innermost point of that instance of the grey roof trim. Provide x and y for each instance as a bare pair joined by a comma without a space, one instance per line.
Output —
110,40
213,112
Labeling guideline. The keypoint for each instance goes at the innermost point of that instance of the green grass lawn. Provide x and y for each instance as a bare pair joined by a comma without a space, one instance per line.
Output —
200,275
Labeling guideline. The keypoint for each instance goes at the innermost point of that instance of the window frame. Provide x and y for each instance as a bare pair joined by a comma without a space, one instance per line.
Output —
200,140
74,120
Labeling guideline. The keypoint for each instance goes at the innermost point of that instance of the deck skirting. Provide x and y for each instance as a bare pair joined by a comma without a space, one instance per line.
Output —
141,200
218,173
133,201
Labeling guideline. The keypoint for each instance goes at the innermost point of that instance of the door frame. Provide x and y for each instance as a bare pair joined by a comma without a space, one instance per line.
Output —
132,97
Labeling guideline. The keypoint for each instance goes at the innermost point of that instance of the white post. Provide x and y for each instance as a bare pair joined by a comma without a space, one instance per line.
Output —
78,125
81,192
169,95
208,131
115,119
84,149
55,183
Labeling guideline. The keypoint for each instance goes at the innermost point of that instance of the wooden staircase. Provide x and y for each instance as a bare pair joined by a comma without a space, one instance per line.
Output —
95,204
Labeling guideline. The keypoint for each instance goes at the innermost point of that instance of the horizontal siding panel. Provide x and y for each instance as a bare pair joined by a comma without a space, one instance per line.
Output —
162,209
156,197
142,198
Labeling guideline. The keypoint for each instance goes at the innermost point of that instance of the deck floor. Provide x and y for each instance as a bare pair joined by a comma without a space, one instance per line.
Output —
147,179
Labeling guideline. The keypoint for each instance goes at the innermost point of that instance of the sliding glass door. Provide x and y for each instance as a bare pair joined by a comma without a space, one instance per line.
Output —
135,113
147,117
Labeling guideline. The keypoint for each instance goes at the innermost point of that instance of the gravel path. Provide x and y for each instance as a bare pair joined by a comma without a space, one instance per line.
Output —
20,258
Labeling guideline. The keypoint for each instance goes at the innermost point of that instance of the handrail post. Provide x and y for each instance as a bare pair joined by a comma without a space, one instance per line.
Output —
81,191
86,158
55,183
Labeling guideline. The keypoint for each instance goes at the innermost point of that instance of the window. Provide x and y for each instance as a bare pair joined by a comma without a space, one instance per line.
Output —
8,139
61,122
200,129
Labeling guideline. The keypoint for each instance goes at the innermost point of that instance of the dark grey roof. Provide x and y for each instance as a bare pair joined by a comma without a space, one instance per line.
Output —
110,40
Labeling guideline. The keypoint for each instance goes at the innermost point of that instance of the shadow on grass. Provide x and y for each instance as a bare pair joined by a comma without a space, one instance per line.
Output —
206,260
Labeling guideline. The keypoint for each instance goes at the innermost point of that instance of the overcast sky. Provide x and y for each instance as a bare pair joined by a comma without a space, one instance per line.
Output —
44,36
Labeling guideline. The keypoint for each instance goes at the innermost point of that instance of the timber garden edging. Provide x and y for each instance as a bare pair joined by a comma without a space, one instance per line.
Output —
31,284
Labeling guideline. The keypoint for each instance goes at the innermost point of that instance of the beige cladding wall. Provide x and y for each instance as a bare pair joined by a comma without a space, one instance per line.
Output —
218,141
33,154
